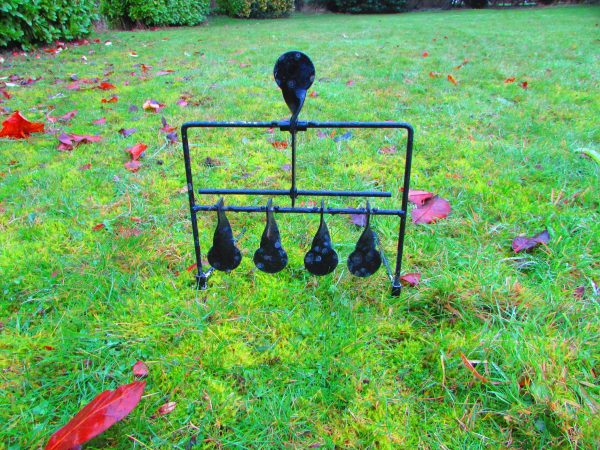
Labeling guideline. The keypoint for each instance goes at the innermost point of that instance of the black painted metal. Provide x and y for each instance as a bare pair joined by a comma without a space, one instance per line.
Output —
294,74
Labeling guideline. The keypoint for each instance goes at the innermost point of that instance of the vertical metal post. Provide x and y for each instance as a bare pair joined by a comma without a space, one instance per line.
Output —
396,284
201,277
293,190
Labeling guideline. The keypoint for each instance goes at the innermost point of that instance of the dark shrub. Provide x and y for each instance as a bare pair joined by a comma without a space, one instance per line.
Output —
256,8
367,6
476,4
41,22
127,13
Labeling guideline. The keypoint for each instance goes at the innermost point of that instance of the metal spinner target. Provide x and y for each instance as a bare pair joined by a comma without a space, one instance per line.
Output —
294,73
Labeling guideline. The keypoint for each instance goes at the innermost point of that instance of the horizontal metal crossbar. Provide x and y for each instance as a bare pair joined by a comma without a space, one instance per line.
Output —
303,210
284,125
298,193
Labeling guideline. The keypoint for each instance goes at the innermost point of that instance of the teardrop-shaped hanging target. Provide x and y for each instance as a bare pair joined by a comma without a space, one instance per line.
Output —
294,73
223,255
365,259
321,259
270,257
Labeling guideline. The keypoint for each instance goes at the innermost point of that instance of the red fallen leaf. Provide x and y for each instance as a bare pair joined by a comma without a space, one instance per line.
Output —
279,145
435,74
181,102
48,347
152,105
54,274
412,279
127,131
523,243
313,94
100,121
18,127
510,80
64,118
470,366
350,83
578,292
98,227
112,99
74,86
136,151
524,85
106,86
463,64
164,72
166,128
68,141
140,369
165,409
101,413
359,220
391,150
193,266
431,210
133,165
145,68
87,166
425,54
6,95
418,197
128,232
452,80
172,137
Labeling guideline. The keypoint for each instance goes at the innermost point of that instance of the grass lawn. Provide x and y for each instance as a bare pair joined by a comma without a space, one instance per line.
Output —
292,360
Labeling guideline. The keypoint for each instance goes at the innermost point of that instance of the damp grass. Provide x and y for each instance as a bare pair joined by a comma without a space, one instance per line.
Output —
291,360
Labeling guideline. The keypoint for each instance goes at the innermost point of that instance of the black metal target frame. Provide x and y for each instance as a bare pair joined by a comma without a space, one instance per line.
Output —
294,74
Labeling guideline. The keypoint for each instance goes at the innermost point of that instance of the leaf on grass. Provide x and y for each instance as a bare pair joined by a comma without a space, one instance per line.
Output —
98,227
359,220
64,118
133,165
165,409
462,64
193,266
391,150
418,197
166,128
173,138
140,369
279,145
69,141
164,72
578,292
106,86
87,166
101,413
18,127
523,243
470,366
452,80
153,106
136,151
111,99
313,94
100,121
350,83
411,279
510,80
425,54
524,84
344,137
127,131
431,210
433,74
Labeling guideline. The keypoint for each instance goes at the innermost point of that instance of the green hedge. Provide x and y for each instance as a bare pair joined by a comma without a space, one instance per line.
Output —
367,6
127,13
27,22
260,9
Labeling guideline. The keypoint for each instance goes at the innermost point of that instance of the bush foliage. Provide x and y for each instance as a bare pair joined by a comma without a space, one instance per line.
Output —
367,6
256,8
26,22
127,13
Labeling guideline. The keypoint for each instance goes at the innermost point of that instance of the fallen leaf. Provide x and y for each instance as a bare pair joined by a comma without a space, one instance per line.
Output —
350,83
391,150
193,266
112,99
452,80
100,121
524,84
578,292
425,54
431,210
461,65
127,131
101,413
344,137
165,409
510,80
140,369
164,72
523,243
411,279
153,106
87,166
98,227
69,141
470,366
172,137
18,127
136,151
279,145
133,165
435,74
313,94
5,94
106,86
418,197
166,128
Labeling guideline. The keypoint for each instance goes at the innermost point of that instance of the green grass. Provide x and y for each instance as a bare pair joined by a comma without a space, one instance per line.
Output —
290,361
